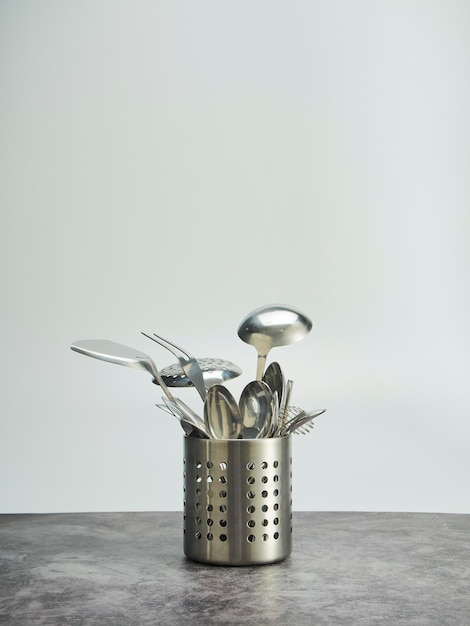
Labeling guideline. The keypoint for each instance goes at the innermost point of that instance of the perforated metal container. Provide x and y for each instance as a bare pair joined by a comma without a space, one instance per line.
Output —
238,500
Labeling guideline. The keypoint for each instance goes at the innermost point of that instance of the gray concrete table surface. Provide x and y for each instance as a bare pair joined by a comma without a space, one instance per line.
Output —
129,569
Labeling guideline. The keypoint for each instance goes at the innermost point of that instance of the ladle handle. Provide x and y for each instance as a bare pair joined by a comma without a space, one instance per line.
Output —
260,366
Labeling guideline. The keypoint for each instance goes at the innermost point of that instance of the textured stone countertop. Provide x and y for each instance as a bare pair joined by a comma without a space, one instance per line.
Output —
124,569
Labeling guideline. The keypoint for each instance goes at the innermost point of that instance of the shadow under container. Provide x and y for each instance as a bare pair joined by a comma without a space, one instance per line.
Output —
238,500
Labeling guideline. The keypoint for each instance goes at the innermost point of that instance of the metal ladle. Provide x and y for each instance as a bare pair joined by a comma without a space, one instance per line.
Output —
272,326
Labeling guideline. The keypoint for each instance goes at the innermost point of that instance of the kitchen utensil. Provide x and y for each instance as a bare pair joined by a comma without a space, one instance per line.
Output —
221,414
288,394
256,406
188,412
283,409
274,378
272,326
113,352
189,428
214,371
293,411
274,417
289,413
192,424
299,421
187,361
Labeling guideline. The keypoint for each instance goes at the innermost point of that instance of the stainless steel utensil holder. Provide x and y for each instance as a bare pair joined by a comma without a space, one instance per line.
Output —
238,500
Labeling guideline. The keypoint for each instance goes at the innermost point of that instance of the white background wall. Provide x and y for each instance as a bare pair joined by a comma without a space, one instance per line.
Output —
169,166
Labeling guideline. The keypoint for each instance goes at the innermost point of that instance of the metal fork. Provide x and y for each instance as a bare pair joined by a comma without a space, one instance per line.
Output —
189,364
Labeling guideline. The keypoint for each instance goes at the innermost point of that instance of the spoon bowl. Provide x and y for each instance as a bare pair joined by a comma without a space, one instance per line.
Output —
221,414
256,407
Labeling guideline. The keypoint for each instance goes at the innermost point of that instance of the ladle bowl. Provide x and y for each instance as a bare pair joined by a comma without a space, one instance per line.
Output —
273,326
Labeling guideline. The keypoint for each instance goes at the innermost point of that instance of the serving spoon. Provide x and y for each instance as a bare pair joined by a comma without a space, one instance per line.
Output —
256,409
221,414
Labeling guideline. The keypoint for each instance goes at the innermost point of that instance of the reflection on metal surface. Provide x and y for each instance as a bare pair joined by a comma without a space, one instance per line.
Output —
238,500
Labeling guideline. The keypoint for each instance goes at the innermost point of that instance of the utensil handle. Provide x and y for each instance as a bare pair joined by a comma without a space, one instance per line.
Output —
161,382
288,394
189,364
260,366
